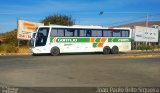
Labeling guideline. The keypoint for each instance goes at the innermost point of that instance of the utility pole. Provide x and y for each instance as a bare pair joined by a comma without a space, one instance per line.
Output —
18,32
147,24
147,17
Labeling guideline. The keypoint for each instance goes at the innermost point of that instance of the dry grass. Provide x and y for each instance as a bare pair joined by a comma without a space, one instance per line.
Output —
24,50
8,48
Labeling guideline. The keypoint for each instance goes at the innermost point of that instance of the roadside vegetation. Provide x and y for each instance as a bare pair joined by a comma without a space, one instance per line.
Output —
146,47
9,43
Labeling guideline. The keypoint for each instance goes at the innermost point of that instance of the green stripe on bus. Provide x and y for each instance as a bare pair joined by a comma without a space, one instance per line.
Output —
87,40
98,39
51,39
83,39
95,45
119,39
71,40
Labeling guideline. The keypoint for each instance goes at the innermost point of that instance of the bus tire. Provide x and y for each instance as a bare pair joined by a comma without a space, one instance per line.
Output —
34,54
115,50
106,50
55,51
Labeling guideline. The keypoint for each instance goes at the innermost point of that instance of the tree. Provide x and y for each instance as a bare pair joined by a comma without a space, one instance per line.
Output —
59,20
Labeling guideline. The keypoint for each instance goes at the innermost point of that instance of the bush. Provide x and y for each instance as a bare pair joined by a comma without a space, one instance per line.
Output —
157,46
144,47
8,48
24,49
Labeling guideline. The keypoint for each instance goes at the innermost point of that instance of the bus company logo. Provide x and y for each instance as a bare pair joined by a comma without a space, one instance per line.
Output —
112,40
119,40
66,40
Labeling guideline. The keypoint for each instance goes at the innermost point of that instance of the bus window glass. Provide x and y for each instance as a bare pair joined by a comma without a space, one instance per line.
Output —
117,33
75,32
42,35
107,33
60,32
69,32
125,33
96,33
82,33
88,33
53,32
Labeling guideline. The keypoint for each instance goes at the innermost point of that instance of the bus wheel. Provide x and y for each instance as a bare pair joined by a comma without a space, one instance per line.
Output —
34,54
55,51
106,50
114,50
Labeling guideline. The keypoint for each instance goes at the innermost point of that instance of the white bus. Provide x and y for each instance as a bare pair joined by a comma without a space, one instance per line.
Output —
74,39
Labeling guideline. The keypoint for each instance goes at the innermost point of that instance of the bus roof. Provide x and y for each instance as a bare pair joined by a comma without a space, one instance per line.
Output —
82,26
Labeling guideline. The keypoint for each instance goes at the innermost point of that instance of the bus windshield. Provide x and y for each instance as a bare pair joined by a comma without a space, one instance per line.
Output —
42,36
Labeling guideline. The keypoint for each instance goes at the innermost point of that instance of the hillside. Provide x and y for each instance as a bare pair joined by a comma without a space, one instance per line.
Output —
9,43
4,36
131,25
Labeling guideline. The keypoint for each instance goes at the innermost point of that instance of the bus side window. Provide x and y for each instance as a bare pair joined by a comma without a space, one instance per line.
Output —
116,33
60,32
96,33
53,32
88,33
82,33
107,33
125,33
69,32
75,33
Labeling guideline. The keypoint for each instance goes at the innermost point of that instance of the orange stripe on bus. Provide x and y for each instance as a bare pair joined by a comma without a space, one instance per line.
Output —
92,40
103,39
28,24
100,45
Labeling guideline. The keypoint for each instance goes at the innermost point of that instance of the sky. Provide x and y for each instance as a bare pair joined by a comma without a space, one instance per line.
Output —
84,12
